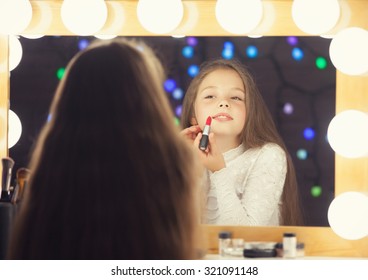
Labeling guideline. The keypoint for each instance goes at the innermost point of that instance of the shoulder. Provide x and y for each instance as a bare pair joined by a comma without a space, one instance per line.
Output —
272,152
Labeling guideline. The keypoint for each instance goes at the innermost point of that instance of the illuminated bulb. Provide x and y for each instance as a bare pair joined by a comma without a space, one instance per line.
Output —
348,215
105,36
347,134
15,16
15,52
315,16
84,17
160,16
348,51
33,36
15,129
239,16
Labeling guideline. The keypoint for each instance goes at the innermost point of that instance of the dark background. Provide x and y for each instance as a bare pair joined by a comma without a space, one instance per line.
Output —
281,79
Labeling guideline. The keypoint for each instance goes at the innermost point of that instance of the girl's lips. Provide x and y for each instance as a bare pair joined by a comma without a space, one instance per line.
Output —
222,117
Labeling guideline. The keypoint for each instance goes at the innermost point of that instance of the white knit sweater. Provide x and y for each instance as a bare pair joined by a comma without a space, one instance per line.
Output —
248,190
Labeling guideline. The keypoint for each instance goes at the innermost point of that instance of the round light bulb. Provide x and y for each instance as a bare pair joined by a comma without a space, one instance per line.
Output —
348,215
15,16
238,16
348,51
15,129
33,36
105,36
315,16
160,20
84,17
347,134
15,52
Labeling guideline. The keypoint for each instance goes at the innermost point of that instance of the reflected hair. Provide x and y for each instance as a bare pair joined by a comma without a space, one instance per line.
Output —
259,129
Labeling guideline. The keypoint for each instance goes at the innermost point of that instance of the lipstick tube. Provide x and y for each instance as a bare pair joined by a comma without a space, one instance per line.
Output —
203,143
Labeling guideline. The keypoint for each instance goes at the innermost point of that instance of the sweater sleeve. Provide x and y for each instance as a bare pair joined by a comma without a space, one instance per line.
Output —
252,196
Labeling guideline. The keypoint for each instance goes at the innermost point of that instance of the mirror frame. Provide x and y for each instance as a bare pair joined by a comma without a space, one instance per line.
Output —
199,20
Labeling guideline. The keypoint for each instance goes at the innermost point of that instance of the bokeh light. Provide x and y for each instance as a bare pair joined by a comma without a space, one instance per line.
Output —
169,85
316,191
192,41
60,73
227,53
309,133
178,110
321,63
82,44
176,121
188,52
252,51
297,54
178,94
228,45
292,40
288,108
302,154
193,70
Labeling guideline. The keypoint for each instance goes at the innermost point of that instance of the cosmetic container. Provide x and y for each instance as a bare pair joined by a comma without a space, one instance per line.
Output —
259,250
289,245
224,242
299,250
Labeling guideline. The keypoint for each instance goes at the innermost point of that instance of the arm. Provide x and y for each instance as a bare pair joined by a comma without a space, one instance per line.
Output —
260,187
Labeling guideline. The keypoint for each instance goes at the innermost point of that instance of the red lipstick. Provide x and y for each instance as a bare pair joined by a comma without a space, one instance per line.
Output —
206,130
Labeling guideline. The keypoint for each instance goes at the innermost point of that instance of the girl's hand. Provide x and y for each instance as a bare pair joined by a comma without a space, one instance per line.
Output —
212,157
190,133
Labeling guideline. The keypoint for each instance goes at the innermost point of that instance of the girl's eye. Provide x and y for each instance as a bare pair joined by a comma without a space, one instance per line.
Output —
237,98
209,97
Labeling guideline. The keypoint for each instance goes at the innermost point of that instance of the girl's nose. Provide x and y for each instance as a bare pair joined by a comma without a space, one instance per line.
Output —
224,103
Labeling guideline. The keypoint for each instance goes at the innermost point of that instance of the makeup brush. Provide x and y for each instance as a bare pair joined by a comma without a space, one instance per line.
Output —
8,164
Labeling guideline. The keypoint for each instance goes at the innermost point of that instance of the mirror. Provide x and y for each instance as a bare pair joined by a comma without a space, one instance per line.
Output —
299,90
200,20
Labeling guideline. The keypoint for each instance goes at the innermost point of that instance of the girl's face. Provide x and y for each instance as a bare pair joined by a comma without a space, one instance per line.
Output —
221,95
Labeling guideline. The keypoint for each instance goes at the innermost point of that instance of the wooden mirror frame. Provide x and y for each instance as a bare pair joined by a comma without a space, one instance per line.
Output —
351,93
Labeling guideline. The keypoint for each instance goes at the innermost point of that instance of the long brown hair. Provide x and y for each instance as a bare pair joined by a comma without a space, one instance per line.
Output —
111,177
259,129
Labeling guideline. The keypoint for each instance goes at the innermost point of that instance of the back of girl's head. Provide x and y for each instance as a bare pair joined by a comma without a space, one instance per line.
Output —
111,176
258,130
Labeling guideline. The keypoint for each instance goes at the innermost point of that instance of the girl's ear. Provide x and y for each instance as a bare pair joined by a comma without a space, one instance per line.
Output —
193,121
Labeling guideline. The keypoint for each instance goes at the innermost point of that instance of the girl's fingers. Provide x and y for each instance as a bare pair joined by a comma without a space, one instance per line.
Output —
197,139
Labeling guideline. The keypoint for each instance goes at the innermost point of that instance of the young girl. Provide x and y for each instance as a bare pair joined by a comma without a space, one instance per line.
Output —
107,181
249,178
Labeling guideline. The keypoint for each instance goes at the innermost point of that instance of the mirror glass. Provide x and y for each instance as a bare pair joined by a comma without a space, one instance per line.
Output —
294,74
